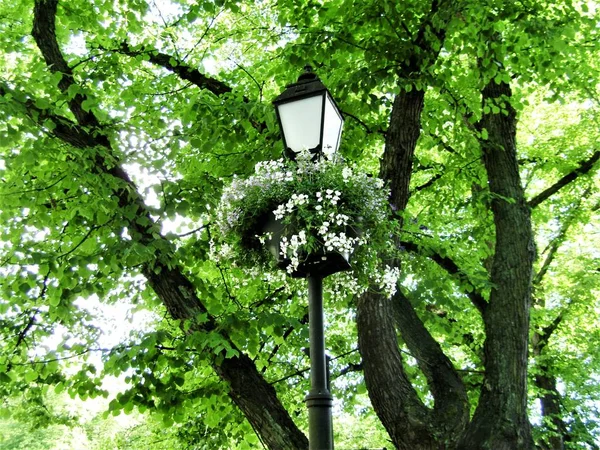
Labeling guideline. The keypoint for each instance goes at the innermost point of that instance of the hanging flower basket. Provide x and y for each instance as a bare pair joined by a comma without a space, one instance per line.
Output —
306,217
321,260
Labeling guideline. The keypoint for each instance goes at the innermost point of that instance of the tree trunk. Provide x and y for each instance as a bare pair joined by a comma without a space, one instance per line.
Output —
551,409
549,396
400,143
500,421
409,423
394,399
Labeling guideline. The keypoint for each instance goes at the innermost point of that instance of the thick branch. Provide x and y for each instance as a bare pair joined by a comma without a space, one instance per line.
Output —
549,329
182,70
545,381
44,33
394,399
584,167
248,389
408,422
500,420
400,143
451,407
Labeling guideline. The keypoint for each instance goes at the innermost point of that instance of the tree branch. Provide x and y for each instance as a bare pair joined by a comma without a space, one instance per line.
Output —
452,268
451,400
247,388
552,250
554,245
179,68
25,330
63,358
429,183
80,243
500,419
363,124
393,396
188,73
188,233
551,328
584,167
285,335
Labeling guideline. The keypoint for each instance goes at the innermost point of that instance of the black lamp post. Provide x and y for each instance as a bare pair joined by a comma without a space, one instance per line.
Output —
310,120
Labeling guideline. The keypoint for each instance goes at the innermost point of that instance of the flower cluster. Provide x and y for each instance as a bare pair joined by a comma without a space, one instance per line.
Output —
291,247
323,206
288,207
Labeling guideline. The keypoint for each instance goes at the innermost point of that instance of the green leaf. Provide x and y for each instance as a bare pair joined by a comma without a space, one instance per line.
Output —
31,376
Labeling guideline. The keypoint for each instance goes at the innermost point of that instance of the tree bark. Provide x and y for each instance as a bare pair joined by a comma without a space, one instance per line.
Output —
549,396
500,421
409,423
451,404
551,408
394,399
400,143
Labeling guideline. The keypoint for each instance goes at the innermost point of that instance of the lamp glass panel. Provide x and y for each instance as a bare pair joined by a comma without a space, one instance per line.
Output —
332,128
301,122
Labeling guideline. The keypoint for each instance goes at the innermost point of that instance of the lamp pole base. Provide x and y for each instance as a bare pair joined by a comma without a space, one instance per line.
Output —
319,400
320,427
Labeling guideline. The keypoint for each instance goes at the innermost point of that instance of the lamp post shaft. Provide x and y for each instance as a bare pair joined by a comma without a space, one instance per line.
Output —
319,400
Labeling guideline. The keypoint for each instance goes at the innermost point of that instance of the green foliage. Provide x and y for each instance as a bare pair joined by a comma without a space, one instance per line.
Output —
78,318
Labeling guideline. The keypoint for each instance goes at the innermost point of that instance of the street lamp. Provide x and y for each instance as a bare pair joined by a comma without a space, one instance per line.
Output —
310,119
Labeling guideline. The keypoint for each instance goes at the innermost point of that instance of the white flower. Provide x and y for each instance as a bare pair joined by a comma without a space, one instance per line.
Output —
389,280
346,173
279,212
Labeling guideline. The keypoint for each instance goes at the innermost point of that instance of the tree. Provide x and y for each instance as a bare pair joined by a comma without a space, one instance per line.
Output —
481,116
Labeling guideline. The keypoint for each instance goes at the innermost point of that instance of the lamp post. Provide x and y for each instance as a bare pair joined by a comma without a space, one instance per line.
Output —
310,119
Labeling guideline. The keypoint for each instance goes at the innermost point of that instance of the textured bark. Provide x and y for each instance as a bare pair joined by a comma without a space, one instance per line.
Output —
550,398
409,423
451,403
394,399
248,389
500,421
400,143
551,408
